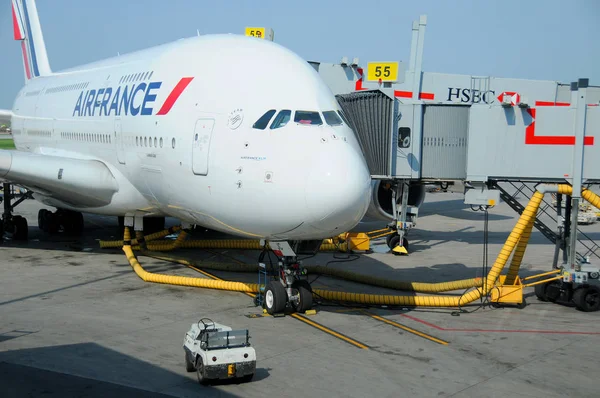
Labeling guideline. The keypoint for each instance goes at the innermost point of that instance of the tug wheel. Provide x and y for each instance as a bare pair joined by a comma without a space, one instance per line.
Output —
587,299
275,297
189,364
200,371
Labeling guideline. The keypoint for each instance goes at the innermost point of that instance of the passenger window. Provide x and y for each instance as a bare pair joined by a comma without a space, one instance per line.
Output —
155,140
161,142
282,118
264,120
308,117
331,118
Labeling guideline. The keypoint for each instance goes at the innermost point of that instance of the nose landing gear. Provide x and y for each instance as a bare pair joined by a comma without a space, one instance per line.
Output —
287,286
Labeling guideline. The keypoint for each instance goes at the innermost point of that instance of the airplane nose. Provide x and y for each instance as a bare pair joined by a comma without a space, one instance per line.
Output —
338,189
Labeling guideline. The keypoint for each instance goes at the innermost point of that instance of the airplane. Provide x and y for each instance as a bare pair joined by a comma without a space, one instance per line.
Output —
233,133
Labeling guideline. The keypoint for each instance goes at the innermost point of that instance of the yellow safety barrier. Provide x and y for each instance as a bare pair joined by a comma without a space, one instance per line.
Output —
513,239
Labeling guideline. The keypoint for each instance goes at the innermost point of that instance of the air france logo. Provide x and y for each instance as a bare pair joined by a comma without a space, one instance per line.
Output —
134,99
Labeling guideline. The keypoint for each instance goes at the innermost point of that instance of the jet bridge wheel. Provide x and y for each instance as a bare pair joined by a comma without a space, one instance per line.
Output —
394,240
587,298
275,297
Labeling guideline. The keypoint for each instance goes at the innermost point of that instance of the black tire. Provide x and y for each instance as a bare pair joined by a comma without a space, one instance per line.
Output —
51,222
73,223
389,238
540,291
275,297
306,297
393,241
200,372
20,228
587,299
42,219
247,378
553,291
189,363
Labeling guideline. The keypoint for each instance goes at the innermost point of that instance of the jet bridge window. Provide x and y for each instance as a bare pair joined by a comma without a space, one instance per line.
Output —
264,120
282,118
331,118
308,117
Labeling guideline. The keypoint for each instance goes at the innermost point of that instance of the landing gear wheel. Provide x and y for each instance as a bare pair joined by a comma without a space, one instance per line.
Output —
587,299
20,229
189,364
305,296
42,219
73,223
200,371
275,297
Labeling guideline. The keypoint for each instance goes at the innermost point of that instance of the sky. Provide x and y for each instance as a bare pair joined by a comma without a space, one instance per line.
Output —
536,39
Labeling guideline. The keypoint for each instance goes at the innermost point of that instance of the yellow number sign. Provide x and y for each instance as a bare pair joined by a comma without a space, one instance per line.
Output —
256,32
384,71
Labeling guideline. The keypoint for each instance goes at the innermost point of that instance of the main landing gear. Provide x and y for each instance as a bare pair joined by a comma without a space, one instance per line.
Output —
14,225
70,222
287,286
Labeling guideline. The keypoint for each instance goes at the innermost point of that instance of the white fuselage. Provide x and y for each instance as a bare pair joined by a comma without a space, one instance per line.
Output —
201,160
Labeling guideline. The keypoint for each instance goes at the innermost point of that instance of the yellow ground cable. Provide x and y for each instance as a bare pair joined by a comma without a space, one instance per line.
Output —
517,258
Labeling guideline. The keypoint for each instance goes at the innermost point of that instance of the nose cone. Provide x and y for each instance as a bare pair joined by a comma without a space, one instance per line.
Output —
338,189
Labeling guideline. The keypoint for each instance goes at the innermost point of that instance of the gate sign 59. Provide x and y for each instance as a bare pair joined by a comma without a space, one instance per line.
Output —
382,72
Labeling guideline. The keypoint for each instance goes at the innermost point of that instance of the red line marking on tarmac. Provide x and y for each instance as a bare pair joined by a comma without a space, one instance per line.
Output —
496,330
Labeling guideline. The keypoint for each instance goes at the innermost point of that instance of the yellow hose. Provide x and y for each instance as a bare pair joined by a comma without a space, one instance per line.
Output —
105,244
238,244
184,280
421,287
373,299
515,263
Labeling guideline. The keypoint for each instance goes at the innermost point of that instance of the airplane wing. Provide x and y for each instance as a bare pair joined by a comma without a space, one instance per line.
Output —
85,183
5,116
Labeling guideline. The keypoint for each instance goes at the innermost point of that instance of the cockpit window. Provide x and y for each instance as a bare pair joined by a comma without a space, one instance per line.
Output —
308,117
282,118
264,120
343,117
331,118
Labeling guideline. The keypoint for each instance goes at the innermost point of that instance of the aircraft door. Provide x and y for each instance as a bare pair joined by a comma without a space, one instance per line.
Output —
201,145
118,137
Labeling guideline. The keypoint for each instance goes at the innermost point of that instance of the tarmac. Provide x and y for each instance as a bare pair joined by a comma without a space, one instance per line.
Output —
75,320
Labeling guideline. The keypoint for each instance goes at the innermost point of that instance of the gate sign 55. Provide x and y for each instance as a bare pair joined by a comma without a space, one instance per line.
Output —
382,72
